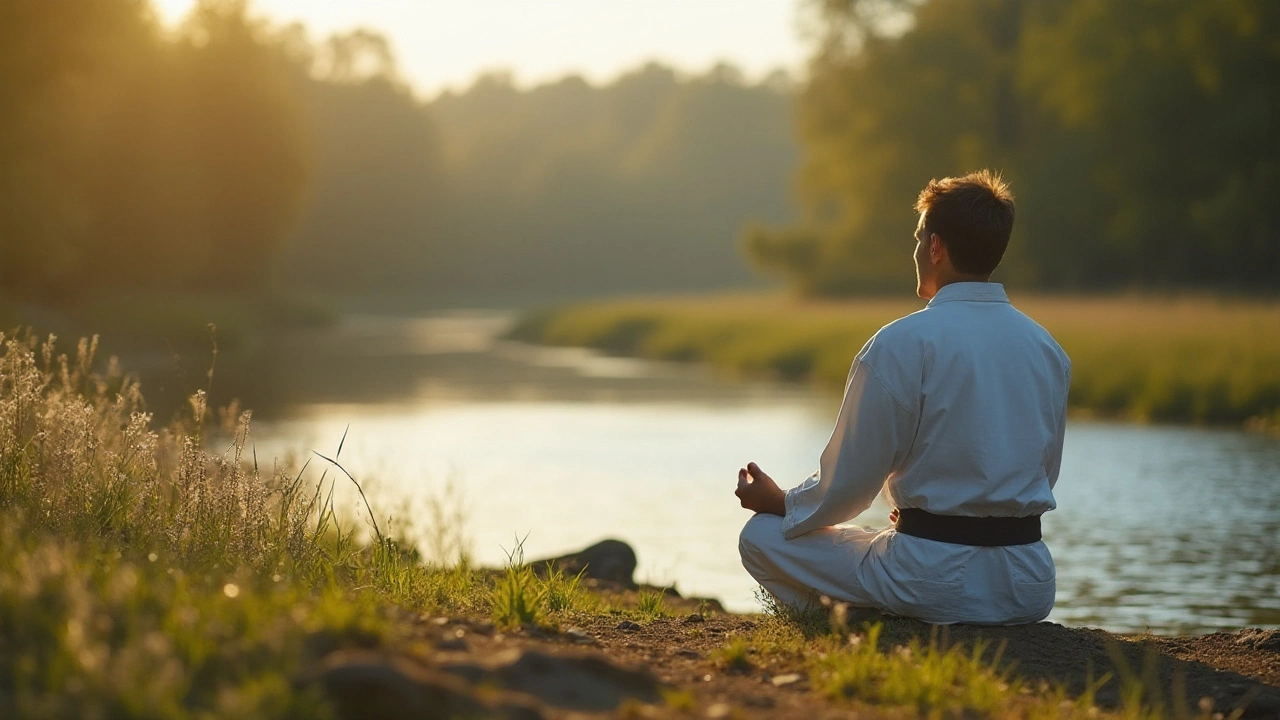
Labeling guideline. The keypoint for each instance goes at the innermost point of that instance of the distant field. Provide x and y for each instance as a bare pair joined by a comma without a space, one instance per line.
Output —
1200,360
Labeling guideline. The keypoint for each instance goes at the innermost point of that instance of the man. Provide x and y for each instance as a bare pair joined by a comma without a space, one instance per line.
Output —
957,411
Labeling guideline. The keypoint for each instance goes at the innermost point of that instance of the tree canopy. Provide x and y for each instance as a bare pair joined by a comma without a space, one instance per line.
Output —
230,154
133,157
1142,139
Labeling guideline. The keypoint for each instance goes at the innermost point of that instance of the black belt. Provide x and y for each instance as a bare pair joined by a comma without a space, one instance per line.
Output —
958,530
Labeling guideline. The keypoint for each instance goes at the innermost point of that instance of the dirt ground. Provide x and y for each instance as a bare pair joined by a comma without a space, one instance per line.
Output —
605,666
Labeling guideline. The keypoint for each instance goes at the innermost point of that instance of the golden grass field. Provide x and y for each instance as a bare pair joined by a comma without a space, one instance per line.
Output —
1177,359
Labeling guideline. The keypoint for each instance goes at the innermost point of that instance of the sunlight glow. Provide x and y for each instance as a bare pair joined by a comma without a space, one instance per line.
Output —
446,43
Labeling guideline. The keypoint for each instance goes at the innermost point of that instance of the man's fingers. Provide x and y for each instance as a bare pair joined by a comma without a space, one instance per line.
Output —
755,472
744,486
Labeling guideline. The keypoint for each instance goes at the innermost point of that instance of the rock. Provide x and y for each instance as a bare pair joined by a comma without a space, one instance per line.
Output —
586,683
694,618
787,679
719,711
455,644
533,631
611,560
709,604
628,626
372,686
580,637
687,653
453,639
1259,639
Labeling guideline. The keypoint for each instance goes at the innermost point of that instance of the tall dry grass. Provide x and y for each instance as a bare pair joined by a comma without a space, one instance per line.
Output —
144,574
162,571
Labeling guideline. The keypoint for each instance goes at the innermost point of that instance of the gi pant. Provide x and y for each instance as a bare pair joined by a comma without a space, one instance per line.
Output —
900,574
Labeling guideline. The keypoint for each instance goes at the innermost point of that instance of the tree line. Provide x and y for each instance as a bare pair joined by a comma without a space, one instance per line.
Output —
230,154
1142,138
131,157
639,184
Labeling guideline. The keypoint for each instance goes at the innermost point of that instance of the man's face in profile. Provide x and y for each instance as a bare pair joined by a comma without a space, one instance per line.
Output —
926,271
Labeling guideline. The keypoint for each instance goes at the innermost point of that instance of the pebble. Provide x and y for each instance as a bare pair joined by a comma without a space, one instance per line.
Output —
628,626
453,643
453,640
694,618
718,711
787,679
580,637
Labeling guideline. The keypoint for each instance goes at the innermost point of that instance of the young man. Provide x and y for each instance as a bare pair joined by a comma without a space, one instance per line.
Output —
957,411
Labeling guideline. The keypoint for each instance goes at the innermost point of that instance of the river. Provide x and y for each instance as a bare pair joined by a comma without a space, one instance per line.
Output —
1161,529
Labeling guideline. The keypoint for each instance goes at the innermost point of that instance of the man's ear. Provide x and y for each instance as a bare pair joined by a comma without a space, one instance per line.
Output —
937,251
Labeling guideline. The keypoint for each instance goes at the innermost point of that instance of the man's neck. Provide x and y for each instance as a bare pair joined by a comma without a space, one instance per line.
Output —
949,278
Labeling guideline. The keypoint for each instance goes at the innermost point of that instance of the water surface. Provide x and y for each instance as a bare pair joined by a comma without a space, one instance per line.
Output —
1166,529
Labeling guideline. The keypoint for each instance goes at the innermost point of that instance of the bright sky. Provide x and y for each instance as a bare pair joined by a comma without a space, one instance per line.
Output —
446,43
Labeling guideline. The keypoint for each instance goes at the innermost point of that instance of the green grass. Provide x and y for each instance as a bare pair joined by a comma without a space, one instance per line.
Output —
523,597
1191,359
849,664
652,604
734,656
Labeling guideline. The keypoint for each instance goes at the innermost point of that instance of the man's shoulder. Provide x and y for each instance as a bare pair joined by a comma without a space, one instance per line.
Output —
906,329
1034,328
918,334
900,338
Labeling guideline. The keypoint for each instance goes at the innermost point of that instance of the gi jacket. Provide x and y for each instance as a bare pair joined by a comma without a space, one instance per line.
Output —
958,409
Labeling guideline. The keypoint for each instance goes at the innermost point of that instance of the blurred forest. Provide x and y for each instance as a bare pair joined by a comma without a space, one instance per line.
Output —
1141,137
230,155
131,158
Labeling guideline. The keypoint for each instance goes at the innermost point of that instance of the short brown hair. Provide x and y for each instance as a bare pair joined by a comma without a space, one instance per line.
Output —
973,215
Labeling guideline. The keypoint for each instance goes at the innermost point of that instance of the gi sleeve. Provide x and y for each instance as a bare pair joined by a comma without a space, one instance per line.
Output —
1053,456
873,433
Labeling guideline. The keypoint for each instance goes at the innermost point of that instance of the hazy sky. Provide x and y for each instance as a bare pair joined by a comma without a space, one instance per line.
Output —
445,43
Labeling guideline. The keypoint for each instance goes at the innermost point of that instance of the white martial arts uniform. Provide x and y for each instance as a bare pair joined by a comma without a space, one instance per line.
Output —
958,409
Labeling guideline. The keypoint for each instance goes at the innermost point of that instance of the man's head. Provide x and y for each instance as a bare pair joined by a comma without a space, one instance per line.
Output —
963,231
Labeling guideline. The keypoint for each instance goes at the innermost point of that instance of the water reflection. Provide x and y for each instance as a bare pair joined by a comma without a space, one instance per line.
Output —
1161,529
1168,528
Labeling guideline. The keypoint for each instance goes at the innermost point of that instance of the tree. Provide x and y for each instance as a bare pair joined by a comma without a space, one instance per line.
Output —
1141,138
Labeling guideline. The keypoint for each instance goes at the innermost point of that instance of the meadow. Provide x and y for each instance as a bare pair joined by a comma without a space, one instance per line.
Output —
1178,359
168,572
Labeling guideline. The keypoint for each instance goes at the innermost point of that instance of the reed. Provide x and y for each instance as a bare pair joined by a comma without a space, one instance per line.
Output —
143,574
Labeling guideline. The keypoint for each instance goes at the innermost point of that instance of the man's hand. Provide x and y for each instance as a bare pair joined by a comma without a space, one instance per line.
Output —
758,492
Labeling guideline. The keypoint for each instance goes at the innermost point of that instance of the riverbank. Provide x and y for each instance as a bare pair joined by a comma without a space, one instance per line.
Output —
1190,360
142,575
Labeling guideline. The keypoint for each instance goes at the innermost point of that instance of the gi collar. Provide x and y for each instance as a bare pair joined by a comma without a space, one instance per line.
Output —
970,292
